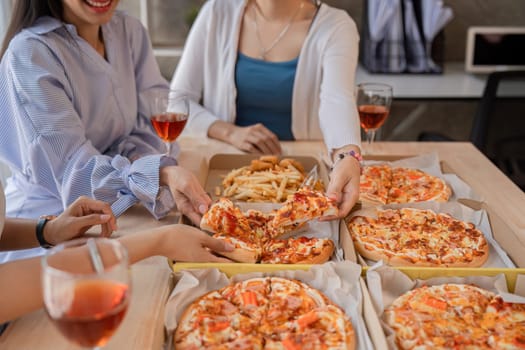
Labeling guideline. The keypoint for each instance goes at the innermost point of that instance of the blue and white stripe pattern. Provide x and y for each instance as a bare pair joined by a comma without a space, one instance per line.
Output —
76,124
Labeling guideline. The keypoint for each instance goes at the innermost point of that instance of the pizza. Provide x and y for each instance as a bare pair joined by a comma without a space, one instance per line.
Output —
257,236
416,237
455,316
382,184
267,312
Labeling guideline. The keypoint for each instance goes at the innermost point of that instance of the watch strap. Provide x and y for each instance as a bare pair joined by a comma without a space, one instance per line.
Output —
42,221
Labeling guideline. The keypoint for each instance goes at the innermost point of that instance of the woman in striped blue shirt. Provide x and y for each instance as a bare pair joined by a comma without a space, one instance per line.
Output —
75,77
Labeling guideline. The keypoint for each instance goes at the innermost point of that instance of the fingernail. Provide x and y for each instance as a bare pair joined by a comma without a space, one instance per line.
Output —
104,217
228,247
203,208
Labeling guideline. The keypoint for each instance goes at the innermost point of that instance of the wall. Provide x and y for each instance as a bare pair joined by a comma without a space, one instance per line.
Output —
168,27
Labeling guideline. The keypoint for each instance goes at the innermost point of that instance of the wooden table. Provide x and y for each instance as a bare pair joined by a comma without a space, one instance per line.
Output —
143,326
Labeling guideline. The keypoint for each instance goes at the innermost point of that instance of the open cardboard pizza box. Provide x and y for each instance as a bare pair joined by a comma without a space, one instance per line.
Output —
340,281
385,284
512,243
507,247
221,164
464,210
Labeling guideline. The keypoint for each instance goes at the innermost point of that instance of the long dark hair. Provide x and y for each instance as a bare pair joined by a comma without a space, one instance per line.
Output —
26,12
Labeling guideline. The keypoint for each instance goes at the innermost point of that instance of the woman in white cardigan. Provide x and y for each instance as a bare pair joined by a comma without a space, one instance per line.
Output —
260,71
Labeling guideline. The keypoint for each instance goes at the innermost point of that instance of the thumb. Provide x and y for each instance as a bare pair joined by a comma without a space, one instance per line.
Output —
217,245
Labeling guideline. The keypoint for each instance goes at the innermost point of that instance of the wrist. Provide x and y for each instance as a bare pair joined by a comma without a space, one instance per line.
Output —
222,131
350,154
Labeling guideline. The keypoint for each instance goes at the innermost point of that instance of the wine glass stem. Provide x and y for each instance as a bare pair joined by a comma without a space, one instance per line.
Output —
168,148
370,136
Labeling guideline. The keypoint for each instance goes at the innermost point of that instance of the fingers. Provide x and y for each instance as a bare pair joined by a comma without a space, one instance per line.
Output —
349,200
189,196
344,189
85,205
263,139
217,245
258,139
187,209
103,220
271,140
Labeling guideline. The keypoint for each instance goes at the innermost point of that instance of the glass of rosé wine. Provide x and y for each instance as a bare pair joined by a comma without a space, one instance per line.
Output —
373,103
86,289
169,114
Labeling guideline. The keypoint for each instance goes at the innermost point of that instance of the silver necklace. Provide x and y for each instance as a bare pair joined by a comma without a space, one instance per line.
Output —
264,51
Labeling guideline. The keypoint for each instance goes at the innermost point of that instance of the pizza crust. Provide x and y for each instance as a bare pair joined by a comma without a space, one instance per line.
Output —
243,251
323,256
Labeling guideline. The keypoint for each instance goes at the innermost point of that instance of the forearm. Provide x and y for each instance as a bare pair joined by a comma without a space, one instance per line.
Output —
140,247
18,234
24,296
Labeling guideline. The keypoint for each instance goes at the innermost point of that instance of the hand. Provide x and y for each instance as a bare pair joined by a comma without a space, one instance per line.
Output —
79,217
344,185
187,192
255,139
186,243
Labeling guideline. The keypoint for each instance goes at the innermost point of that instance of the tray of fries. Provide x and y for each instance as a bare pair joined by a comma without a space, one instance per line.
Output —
253,178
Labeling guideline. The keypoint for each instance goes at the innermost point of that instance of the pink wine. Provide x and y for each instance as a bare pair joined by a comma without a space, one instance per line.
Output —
169,125
371,116
96,311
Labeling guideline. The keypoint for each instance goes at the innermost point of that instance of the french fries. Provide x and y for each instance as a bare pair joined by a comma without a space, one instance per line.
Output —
266,179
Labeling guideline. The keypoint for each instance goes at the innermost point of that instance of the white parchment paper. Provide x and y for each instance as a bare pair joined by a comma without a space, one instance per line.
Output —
339,281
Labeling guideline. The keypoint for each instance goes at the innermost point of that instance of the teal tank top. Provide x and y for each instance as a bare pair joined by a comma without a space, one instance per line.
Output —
264,94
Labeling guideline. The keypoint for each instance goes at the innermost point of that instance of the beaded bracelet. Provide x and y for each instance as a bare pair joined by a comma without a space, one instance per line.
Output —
352,154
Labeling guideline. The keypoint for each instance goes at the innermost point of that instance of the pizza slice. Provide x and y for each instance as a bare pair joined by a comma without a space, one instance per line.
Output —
290,299
258,222
325,327
244,251
209,321
300,250
226,218
506,322
250,296
299,208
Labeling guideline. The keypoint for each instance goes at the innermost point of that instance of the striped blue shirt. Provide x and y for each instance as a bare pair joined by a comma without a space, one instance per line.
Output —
74,123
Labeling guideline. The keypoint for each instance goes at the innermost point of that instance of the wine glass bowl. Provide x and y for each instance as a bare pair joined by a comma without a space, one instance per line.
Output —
86,304
169,114
373,104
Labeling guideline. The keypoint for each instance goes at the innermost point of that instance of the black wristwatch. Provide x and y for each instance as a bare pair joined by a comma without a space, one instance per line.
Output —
42,221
